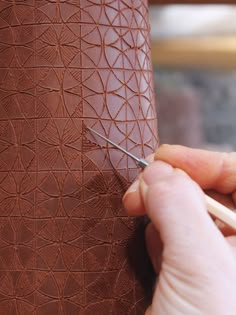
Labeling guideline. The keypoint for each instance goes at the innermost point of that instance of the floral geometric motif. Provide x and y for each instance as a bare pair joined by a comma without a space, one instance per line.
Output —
59,144
17,145
17,193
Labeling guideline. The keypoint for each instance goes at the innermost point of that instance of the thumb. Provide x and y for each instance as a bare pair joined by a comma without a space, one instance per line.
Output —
176,206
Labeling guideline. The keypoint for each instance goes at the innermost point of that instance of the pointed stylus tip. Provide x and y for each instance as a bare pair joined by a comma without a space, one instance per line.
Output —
90,129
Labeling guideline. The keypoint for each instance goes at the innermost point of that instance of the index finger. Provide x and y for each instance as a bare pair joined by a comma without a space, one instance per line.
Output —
211,170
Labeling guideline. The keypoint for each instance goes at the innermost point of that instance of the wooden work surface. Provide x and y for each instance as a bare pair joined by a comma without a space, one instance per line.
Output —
207,52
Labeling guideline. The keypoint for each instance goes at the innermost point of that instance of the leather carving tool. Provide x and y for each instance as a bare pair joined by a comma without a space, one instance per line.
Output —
215,208
141,162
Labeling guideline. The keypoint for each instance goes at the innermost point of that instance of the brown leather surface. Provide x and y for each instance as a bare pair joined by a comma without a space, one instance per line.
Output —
66,244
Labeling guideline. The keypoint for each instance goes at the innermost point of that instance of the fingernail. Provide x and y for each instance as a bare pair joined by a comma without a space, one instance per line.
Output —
165,145
143,188
162,146
133,188
180,171
150,158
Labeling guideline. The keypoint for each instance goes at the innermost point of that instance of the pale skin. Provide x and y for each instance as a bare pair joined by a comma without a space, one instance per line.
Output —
194,255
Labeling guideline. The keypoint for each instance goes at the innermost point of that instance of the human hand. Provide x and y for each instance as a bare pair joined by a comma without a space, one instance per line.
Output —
196,261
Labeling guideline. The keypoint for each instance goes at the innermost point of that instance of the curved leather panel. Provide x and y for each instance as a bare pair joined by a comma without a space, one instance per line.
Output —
66,244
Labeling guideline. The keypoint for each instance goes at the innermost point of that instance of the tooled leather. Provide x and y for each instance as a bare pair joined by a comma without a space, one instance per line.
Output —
66,244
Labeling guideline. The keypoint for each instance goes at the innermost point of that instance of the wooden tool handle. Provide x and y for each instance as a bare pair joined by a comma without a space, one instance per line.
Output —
221,212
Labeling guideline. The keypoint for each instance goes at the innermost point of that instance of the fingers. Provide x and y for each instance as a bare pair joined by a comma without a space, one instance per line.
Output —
232,242
192,244
176,206
132,199
170,199
149,311
211,170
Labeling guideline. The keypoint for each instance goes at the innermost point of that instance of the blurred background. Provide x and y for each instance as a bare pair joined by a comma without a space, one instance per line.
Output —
194,59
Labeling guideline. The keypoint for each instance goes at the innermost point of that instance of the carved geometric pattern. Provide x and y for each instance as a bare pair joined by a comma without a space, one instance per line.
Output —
64,235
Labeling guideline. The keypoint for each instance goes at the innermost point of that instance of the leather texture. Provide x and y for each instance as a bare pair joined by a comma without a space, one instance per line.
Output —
66,244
